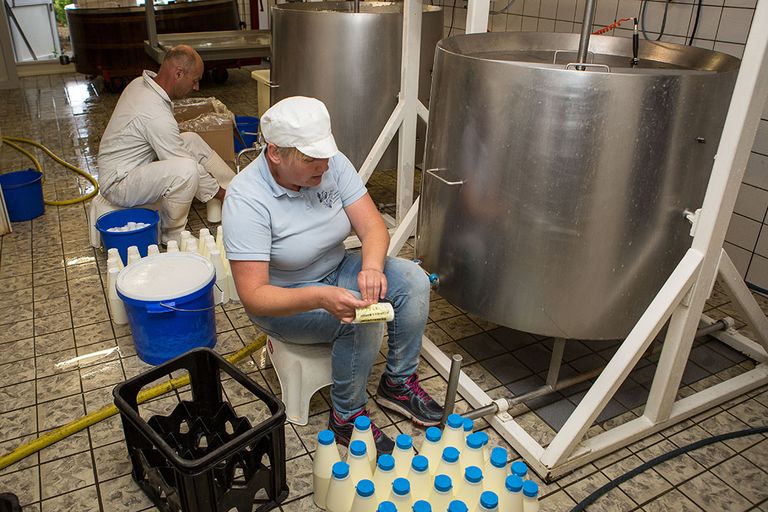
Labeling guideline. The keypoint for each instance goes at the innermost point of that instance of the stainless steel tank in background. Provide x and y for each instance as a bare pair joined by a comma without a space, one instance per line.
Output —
554,199
350,61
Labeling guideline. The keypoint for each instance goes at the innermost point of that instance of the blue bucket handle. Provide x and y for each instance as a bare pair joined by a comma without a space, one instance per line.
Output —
167,307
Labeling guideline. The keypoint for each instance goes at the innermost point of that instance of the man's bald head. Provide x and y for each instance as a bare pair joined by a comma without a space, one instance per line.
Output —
180,71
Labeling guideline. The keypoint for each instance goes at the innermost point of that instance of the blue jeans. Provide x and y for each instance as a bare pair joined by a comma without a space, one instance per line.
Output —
355,345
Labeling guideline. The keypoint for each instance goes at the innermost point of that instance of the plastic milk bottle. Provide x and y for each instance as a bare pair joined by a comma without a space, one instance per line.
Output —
512,499
365,499
496,471
357,458
468,426
363,432
457,506
430,448
420,478
386,506
471,487
384,476
489,502
422,506
519,468
403,453
486,441
530,496
449,465
442,493
453,435
341,490
401,494
472,455
326,456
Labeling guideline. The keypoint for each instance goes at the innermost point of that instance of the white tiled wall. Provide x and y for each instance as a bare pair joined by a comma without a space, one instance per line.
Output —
723,26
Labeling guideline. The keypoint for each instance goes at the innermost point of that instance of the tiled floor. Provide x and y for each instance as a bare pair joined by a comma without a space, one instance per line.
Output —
60,356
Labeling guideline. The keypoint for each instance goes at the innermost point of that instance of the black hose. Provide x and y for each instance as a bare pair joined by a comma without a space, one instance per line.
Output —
696,23
643,9
583,504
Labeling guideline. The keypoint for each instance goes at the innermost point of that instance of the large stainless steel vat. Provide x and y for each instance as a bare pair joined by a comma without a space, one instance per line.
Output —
350,61
554,199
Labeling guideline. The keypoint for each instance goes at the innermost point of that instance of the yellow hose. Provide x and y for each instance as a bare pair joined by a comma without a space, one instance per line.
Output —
105,412
10,141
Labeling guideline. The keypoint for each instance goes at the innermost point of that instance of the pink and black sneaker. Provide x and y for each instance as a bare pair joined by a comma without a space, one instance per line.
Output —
410,400
343,431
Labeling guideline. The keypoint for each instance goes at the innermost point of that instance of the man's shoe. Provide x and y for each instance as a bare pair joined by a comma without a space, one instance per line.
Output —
343,431
409,399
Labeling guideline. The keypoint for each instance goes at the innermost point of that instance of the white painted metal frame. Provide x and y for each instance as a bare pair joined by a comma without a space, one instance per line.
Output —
681,299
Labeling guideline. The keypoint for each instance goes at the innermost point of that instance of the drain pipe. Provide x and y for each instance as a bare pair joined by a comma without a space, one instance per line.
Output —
453,386
586,31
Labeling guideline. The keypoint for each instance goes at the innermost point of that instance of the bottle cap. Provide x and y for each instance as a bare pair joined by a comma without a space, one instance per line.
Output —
357,448
422,506
455,421
457,506
483,436
443,483
340,470
489,500
404,442
473,474
325,437
386,506
386,462
530,488
420,463
513,483
450,454
365,488
469,425
499,457
519,468
362,423
475,441
401,486
434,434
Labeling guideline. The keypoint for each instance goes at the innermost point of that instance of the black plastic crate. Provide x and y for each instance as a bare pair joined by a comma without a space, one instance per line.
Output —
203,457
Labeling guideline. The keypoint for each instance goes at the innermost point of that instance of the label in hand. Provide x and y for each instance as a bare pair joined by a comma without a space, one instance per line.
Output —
379,312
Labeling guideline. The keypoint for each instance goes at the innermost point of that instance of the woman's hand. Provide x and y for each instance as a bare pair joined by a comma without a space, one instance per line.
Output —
372,284
341,303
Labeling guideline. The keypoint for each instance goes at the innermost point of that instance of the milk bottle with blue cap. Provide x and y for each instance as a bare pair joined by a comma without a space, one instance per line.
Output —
489,502
472,455
363,432
519,468
457,506
449,464
401,494
530,496
357,458
442,493
468,426
496,471
365,498
384,475
403,453
453,435
430,448
471,487
419,478
512,499
326,455
422,506
486,442
341,490
386,506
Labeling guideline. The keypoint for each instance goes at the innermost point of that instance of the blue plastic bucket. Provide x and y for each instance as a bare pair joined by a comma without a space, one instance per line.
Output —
169,301
141,238
23,193
248,127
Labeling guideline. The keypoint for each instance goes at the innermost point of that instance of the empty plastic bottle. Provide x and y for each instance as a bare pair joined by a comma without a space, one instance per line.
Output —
384,475
363,432
341,490
530,496
519,468
357,458
489,502
512,499
403,454
430,448
365,497
442,492
496,471
471,487
326,456
419,478
453,435
449,464
472,455
401,494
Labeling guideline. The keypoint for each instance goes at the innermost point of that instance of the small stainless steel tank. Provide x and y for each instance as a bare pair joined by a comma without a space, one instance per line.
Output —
554,199
350,61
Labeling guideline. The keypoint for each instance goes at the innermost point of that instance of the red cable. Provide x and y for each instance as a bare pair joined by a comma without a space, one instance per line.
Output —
610,27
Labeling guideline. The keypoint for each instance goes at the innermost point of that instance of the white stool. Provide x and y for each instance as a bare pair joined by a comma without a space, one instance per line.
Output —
302,370
99,206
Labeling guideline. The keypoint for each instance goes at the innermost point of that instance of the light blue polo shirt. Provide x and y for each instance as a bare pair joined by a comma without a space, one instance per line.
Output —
300,233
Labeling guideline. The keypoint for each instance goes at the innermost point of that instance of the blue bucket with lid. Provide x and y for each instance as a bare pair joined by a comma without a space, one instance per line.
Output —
169,301
23,193
142,238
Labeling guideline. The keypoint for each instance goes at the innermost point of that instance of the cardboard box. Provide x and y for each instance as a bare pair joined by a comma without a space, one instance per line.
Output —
210,119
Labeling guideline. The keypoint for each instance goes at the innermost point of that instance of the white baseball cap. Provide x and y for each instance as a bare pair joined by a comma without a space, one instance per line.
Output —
302,123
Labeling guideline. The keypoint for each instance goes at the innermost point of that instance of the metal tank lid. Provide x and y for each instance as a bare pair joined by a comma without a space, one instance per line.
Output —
607,53
348,7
